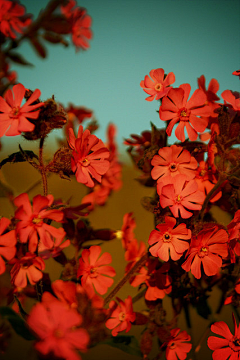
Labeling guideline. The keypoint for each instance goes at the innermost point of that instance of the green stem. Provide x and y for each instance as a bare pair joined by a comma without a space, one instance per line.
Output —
127,277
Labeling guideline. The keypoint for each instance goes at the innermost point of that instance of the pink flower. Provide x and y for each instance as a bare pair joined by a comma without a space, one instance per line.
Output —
57,327
28,267
31,226
14,117
171,161
12,18
208,249
177,346
89,157
182,194
158,86
7,243
94,271
80,24
167,240
176,108
231,99
121,317
228,346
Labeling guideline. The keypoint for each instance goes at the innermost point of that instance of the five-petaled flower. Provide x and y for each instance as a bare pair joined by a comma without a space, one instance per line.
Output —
228,346
57,328
121,317
12,18
181,194
32,227
171,161
176,108
157,85
89,157
94,271
7,243
207,249
167,239
177,346
13,116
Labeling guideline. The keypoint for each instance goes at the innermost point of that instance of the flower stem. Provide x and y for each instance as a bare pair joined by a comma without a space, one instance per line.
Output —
131,272
42,168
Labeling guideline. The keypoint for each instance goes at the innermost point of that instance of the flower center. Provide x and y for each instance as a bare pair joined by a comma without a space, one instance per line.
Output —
178,199
166,237
184,114
37,220
173,167
172,345
85,162
93,272
25,265
15,112
203,172
58,333
122,316
158,87
203,252
236,342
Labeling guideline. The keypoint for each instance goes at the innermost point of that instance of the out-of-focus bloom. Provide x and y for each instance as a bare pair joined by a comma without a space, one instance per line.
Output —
167,240
208,249
206,180
121,317
57,327
13,116
127,230
94,271
176,108
237,73
28,267
80,24
172,161
12,18
235,293
58,245
211,93
157,85
228,346
89,157
134,252
31,226
181,195
234,236
157,280
177,346
79,114
7,243
231,99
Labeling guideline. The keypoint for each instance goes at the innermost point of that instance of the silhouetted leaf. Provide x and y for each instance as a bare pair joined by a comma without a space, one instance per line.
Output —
40,49
19,156
128,344
17,323
19,59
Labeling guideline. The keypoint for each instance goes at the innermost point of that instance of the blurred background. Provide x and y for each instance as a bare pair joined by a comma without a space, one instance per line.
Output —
130,37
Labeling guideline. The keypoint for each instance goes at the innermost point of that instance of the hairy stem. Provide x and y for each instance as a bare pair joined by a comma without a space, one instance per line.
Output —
42,168
131,272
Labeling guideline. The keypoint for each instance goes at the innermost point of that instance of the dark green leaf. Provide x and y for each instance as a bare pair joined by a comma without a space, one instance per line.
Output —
19,59
17,323
203,308
19,156
128,344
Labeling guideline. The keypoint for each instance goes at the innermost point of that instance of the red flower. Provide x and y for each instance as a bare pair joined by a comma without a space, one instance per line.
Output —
121,317
237,73
58,245
177,346
206,180
134,252
94,271
173,160
89,157
158,86
28,267
7,243
12,18
167,240
234,235
182,194
208,249
31,226
227,347
175,107
231,99
211,93
80,24
13,117
157,280
127,231
58,330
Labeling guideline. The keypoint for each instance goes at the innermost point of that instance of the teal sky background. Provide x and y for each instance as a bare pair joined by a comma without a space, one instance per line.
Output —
131,37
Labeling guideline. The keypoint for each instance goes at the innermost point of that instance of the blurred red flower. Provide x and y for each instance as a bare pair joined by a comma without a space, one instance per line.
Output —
13,116
177,346
94,271
8,241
